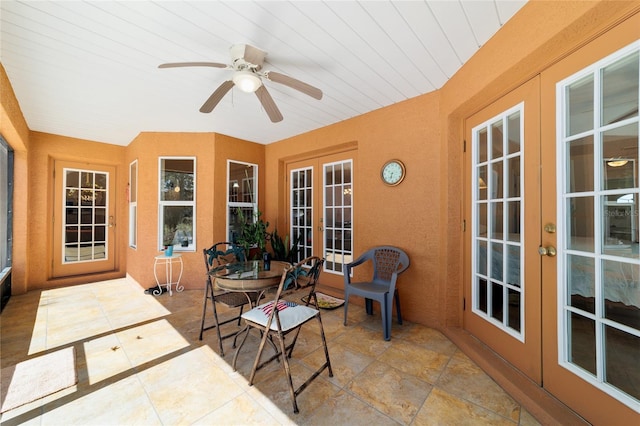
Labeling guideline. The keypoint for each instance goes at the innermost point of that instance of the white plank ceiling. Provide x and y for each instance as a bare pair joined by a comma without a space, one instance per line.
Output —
89,69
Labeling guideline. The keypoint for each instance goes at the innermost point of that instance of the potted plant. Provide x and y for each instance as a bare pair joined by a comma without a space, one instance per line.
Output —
253,235
281,248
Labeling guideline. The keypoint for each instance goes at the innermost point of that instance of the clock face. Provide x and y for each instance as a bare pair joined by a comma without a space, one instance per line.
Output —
393,172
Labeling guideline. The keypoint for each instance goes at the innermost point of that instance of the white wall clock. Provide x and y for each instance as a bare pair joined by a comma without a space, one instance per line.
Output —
393,172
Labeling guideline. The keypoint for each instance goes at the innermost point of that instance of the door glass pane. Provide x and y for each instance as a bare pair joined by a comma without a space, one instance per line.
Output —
513,221
85,215
580,224
513,177
583,342
338,211
482,146
620,152
496,221
302,212
601,300
513,126
497,301
498,214
623,353
579,106
581,272
496,181
620,90
621,285
513,265
497,140
482,183
580,177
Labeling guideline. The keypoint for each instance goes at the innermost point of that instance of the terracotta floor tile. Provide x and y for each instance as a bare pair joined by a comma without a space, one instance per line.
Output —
139,361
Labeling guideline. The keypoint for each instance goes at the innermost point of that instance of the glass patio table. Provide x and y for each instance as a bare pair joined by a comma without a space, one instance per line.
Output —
249,277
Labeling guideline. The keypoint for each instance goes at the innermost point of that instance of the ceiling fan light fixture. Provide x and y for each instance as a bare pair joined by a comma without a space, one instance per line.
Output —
247,81
617,162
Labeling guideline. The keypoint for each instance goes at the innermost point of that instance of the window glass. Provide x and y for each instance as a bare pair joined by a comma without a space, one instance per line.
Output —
133,203
242,198
177,203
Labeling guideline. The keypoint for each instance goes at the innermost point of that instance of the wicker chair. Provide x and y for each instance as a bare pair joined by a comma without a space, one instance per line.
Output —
388,263
288,317
217,256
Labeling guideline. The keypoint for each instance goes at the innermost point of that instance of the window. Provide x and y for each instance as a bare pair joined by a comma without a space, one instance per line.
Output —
177,203
498,213
6,220
133,204
242,194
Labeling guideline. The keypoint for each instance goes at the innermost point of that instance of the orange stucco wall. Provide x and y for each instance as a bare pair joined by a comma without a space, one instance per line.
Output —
407,215
44,150
211,152
14,129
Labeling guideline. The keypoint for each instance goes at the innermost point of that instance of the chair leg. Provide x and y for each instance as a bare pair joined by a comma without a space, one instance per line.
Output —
369,306
398,311
287,371
209,295
324,345
235,356
346,307
385,308
265,336
204,308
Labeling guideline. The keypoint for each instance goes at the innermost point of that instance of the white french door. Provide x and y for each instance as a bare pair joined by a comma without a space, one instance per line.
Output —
84,219
502,291
553,276
594,338
321,211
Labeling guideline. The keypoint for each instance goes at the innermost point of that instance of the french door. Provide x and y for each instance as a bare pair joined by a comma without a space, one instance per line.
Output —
591,295
320,206
502,295
553,270
84,219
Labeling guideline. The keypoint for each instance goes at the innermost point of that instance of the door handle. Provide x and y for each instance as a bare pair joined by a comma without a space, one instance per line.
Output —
547,251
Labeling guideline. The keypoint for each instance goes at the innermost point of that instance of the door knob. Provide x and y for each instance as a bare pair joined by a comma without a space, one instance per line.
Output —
547,251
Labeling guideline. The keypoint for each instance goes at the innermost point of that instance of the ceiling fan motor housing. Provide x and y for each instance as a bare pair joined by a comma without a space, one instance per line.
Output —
244,57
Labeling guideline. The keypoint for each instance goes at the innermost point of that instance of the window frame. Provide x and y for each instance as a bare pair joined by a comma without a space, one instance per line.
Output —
191,247
132,198
231,206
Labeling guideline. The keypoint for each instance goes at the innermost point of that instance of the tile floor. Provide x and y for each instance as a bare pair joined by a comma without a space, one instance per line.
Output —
139,361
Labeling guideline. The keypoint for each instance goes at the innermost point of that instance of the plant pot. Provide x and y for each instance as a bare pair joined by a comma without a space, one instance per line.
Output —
255,253
168,251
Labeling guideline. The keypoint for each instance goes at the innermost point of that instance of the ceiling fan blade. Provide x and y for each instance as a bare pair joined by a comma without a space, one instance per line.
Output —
216,96
193,64
268,104
305,88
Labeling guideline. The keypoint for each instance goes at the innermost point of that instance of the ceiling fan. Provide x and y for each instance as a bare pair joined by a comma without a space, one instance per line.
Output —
246,63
